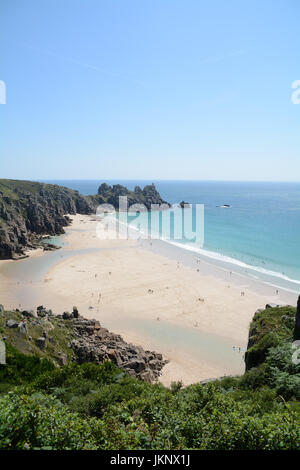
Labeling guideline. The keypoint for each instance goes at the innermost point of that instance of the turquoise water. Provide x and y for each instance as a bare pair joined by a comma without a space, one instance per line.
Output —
259,233
57,241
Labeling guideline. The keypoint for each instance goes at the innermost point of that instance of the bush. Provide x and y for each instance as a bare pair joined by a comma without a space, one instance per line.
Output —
21,368
41,422
282,374
92,406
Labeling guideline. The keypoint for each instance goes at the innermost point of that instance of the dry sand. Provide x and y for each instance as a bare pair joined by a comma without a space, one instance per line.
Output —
150,299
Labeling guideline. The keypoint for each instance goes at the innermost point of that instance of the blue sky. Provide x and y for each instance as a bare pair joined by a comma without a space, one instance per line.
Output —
150,89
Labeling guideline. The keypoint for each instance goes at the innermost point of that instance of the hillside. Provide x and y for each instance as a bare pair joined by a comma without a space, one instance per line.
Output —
29,210
269,328
100,406
70,338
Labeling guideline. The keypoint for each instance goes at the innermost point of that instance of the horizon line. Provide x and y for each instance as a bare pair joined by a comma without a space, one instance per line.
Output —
174,179
152,179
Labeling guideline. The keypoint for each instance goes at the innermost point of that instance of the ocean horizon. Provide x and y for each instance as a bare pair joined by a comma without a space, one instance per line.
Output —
258,235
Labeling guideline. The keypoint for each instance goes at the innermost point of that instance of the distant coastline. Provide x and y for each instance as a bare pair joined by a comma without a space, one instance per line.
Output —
260,231
152,293
237,240
29,211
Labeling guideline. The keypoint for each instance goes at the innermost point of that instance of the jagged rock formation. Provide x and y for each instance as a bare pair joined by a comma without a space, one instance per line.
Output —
147,196
69,337
96,344
29,210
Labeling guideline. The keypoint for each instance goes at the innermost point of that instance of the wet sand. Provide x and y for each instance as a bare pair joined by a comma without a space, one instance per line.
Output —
152,293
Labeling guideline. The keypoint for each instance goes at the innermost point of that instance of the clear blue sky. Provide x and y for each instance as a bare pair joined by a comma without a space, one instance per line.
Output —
150,89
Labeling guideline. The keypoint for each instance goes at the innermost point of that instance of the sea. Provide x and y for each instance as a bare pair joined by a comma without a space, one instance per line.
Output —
250,227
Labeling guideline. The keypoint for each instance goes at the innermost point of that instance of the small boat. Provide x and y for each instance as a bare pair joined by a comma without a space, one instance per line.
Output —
225,206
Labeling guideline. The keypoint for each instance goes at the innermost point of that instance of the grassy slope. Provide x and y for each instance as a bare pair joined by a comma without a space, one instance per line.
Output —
59,335
268,329
9,187
100,406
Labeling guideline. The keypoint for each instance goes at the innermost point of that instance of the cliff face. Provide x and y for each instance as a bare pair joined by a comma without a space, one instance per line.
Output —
29,210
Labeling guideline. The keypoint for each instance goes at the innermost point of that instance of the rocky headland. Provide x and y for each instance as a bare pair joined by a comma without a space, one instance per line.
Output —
146,197
31,210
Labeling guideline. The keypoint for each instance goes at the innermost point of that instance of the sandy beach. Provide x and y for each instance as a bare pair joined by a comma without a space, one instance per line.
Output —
168,301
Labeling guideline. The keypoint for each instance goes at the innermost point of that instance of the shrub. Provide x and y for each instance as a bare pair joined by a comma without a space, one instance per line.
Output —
41,422
21,368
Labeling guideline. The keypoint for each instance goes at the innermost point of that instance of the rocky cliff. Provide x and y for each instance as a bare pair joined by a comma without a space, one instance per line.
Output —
69,337
29,210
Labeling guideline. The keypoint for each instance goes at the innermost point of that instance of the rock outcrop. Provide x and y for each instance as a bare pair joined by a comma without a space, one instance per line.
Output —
93,343
31,210
147,197
70,337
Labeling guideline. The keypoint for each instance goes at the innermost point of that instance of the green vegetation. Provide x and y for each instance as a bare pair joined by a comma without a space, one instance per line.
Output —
91,406
58,333
269,328
17,189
